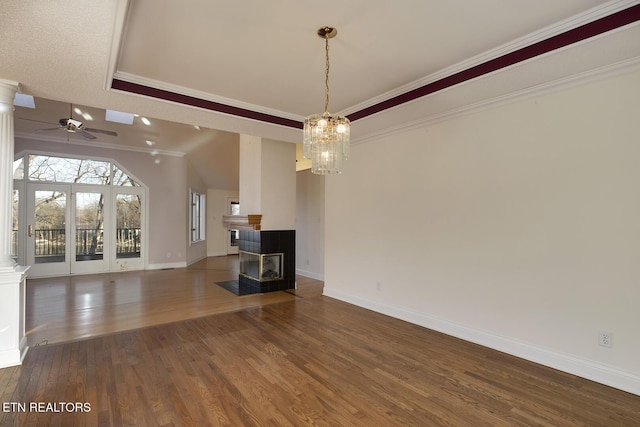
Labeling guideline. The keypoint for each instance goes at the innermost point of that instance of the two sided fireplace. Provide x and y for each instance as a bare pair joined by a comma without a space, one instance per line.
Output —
261,267
267,261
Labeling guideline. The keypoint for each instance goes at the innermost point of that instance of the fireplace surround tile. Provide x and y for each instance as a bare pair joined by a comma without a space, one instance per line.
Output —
267,242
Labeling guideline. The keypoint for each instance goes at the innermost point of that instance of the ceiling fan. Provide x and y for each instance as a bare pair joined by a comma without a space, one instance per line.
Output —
76,126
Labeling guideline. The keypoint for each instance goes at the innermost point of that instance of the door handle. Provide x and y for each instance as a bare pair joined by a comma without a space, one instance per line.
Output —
30,231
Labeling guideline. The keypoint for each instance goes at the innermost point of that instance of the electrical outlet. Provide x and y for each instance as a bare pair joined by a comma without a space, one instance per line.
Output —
605,338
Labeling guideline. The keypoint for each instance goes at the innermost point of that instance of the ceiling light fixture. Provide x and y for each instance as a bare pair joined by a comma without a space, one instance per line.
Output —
326,136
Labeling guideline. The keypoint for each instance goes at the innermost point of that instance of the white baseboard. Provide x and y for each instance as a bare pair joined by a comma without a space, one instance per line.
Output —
166,265
190,262
310,274
209,254
584,368
14,356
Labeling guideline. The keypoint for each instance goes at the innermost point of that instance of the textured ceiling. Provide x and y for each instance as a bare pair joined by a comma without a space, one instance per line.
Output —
265,57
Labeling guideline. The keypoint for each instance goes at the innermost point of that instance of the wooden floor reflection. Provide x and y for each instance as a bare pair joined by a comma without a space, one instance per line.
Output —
77,307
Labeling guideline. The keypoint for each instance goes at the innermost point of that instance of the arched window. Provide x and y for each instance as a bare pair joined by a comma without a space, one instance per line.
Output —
76,215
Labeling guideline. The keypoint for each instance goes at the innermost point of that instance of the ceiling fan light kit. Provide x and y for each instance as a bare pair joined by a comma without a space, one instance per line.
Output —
72,125
326,136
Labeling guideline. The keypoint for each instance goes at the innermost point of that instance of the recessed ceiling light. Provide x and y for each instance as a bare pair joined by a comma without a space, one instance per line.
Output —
196,126
77,110
150,143
145,121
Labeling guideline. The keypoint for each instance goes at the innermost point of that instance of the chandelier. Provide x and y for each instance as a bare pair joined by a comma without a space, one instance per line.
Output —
326,136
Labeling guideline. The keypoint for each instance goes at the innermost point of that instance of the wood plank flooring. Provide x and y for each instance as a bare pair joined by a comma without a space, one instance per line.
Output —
76,307
302,361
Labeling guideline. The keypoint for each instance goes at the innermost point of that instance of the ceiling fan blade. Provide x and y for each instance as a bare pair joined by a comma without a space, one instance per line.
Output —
106,132
33,120
50,128
86,134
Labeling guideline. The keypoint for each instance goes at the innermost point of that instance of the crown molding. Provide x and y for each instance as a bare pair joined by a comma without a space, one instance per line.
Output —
181,90
543,89
98,144
592,24
538,36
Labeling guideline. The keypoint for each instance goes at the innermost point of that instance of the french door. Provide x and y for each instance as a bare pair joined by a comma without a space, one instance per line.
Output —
65,229
78,228
76,216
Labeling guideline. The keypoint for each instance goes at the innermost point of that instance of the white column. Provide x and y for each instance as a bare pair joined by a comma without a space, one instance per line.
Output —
250,175
13,342
7,93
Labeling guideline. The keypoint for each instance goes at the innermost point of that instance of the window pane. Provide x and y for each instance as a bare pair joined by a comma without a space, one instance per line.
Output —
14,229
18,168
89,226
59,169
122,179
235,208
50,220
197,216
195,209
128,222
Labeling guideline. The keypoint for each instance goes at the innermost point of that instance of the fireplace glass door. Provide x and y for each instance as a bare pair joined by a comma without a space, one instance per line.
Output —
261,267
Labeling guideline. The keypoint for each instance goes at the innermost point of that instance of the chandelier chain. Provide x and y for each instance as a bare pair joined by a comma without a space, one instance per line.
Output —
326,136
326,76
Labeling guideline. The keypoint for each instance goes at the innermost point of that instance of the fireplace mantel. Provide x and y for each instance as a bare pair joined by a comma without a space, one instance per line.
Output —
242,222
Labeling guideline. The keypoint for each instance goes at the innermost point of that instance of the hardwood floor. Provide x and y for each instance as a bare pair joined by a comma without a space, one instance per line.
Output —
301,361
77,307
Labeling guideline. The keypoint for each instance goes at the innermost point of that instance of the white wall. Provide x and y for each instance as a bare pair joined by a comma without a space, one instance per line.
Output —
278,185
250,175
516,227
310,224
268,181
217,231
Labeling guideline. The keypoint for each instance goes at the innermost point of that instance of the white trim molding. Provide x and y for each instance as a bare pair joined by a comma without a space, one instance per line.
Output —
309,274
167,265
586,77
143,81
13,339
584,368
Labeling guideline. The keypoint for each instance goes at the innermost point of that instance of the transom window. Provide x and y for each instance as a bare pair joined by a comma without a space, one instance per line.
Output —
45,168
